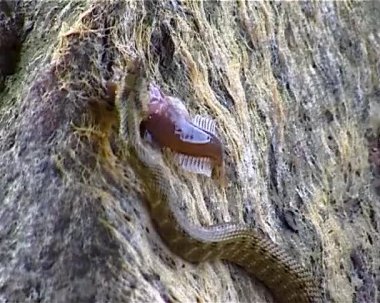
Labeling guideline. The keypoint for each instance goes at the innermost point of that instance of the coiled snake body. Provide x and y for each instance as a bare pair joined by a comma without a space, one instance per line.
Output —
286,278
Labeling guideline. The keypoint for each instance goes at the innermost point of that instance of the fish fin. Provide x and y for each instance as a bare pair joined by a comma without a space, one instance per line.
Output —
195,165
205,123
178,104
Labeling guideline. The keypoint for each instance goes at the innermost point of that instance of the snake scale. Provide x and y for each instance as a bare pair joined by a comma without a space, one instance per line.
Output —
288,280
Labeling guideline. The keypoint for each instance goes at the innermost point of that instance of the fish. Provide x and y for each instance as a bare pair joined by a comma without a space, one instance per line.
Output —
194,141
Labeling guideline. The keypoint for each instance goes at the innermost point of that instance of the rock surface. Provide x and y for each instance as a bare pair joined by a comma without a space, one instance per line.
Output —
294,88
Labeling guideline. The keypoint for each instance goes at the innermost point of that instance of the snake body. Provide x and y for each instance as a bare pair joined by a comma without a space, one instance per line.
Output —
288,280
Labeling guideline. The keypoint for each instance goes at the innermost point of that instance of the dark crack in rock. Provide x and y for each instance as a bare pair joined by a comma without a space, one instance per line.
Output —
11,24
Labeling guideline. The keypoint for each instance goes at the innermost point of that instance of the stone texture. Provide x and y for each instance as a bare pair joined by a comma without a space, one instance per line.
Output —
294,88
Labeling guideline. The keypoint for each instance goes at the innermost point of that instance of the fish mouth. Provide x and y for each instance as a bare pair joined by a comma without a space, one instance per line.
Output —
155,93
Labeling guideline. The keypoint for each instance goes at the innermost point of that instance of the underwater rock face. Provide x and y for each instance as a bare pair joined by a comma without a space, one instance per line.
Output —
294,89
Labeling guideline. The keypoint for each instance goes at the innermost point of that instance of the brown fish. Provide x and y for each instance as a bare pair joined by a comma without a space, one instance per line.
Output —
194,141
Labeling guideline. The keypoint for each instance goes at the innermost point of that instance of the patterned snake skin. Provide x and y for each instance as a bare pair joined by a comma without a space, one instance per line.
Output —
286,278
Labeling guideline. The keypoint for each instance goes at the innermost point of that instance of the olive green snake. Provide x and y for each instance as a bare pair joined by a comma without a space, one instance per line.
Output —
286,278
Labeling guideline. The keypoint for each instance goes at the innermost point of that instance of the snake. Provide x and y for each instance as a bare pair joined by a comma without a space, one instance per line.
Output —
286,278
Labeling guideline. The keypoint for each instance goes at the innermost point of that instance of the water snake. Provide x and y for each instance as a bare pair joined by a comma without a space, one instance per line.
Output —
287,279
